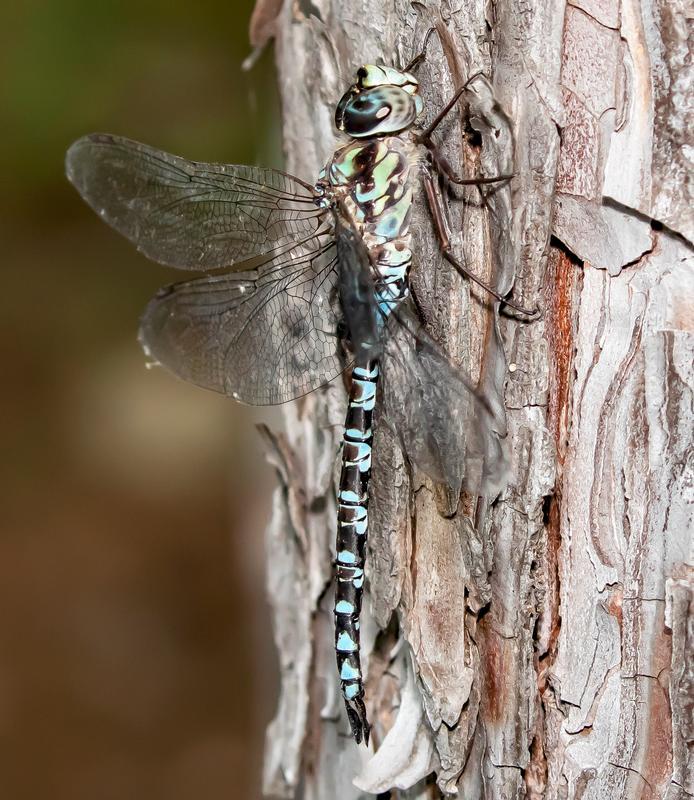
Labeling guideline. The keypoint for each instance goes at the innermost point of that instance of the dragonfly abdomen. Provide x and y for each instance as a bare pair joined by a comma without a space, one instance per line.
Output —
352,529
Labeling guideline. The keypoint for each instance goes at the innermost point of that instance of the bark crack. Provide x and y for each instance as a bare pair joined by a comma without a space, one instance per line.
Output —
632,770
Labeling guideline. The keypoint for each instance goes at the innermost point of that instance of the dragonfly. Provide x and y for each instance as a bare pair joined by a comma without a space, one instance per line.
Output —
303,281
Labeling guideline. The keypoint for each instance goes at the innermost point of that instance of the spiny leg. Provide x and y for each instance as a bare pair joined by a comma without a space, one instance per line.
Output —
417,60
425,136
438,214
441,165
352,530
440,162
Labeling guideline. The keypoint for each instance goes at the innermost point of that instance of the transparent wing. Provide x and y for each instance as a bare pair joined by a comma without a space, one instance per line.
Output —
186,214
264,336
444,426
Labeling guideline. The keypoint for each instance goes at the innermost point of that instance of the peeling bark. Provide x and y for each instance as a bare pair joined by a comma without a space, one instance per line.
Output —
536,647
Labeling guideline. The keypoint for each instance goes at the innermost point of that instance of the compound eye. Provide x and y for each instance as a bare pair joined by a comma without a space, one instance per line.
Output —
364,113
348,98
377,111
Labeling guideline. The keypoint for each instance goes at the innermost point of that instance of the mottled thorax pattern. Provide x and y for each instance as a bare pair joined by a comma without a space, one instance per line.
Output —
371,181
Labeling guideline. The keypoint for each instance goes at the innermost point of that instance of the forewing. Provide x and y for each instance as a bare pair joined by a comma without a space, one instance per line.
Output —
186,214
263,336
445,428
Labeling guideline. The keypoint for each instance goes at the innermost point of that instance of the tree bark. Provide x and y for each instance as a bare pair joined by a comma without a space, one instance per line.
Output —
537,646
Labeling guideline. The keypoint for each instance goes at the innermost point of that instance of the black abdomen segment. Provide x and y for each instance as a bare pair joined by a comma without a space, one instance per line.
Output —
352,529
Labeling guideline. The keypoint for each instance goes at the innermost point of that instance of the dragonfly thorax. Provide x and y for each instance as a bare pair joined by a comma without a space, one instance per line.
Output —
370,185
383,100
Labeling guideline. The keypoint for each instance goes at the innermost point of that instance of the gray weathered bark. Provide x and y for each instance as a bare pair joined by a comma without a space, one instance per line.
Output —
536,647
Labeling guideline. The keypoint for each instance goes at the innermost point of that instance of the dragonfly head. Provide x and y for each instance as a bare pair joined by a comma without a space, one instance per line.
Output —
383,100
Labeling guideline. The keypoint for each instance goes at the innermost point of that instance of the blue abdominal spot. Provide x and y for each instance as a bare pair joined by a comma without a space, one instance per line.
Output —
352,690
348,672
345,643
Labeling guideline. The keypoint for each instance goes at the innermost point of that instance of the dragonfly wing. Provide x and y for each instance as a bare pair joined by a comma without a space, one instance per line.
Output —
363,321
444,426
187,214
264,336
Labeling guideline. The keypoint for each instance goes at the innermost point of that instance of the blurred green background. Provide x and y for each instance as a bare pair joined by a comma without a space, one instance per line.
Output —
136,655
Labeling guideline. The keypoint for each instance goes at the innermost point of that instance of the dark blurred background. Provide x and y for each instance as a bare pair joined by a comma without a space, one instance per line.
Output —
136,655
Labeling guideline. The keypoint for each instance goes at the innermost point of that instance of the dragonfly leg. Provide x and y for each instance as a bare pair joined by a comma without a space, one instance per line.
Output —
417,60
436,205
425,136
443,167
440,163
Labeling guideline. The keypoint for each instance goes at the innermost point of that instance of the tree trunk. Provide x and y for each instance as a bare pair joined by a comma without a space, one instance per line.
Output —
534,647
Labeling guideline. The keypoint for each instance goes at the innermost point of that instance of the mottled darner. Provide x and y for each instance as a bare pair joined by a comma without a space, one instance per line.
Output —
302,282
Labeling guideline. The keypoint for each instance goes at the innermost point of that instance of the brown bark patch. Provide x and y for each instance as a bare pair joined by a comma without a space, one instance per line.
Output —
657,766
613,606
493,670
562,275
